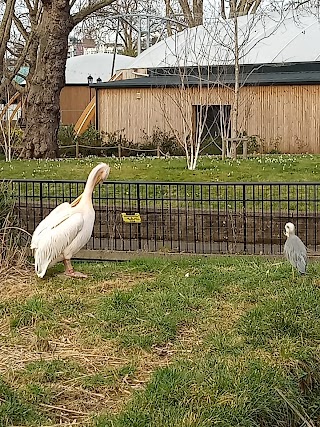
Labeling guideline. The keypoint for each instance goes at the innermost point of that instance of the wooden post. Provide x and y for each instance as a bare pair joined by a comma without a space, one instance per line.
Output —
158,150
119,150
245,148
233,148
77,148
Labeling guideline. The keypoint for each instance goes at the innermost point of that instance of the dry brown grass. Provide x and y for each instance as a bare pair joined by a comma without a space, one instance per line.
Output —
14,267
71,401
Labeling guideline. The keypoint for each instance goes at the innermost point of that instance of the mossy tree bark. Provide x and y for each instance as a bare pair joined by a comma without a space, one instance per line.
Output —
43,99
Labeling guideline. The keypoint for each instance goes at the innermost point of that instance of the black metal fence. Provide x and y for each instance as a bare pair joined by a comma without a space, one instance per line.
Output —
183,217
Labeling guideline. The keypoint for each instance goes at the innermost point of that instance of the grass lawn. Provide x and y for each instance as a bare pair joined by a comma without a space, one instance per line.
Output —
265,168
226,341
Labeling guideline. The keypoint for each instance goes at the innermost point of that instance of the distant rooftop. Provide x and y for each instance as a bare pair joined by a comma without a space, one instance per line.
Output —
263,40
78,68
257,74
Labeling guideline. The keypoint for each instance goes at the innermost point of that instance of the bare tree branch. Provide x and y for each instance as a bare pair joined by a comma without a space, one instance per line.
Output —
255,6
10,75
240,8
83,13
187,12
17,87
168,13
30,8
20,27
198,12
5,28
223,9
12,52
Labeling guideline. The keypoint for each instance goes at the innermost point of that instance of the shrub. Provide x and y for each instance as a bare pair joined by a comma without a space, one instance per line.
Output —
90,138
112,140
109,143
16,135
167,142
12,239
6,204
254,143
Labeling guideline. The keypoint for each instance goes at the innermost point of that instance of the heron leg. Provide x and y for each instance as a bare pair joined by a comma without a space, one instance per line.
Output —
69,270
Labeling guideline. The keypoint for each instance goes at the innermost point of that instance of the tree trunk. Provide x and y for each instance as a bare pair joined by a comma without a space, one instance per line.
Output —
43,100
198,12
235,106
168,15
5,27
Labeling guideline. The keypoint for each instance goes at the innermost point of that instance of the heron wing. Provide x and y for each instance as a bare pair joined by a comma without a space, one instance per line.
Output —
60,211
302,264
52,243
296,253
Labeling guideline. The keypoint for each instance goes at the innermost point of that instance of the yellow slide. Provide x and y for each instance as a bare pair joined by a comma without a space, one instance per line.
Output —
85,118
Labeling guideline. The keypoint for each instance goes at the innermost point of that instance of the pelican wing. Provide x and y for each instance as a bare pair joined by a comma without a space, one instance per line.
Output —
61,210
56,238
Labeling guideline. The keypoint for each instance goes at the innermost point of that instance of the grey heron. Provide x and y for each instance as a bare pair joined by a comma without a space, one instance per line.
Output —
295,250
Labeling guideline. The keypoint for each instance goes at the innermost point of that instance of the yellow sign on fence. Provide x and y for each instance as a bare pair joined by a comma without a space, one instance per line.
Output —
131,219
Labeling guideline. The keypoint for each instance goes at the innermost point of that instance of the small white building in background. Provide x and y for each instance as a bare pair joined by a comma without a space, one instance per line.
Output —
97,65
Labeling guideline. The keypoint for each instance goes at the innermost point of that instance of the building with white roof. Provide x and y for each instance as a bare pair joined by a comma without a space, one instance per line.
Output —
263,39
76,94
98,65
279,106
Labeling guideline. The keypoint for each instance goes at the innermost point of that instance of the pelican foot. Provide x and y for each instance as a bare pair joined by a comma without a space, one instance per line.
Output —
76,274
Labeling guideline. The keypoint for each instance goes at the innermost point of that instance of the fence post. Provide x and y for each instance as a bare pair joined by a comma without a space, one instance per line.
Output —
244,214
158,150
41,197
77,148
245,148
119,150
139,224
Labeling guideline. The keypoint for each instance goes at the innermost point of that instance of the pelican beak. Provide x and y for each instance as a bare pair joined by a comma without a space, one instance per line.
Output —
99,180
76,201
102,175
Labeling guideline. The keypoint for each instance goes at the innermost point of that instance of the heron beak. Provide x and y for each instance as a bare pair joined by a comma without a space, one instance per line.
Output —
76,201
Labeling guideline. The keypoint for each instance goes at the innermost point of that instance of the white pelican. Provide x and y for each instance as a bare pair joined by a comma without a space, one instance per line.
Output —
67,228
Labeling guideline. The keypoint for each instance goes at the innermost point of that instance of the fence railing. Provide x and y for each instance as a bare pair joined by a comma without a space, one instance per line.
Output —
183,217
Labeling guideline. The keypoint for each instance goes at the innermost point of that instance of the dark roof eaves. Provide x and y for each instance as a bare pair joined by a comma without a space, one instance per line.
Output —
257,80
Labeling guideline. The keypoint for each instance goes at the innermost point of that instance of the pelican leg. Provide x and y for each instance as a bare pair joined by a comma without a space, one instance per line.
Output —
69,270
